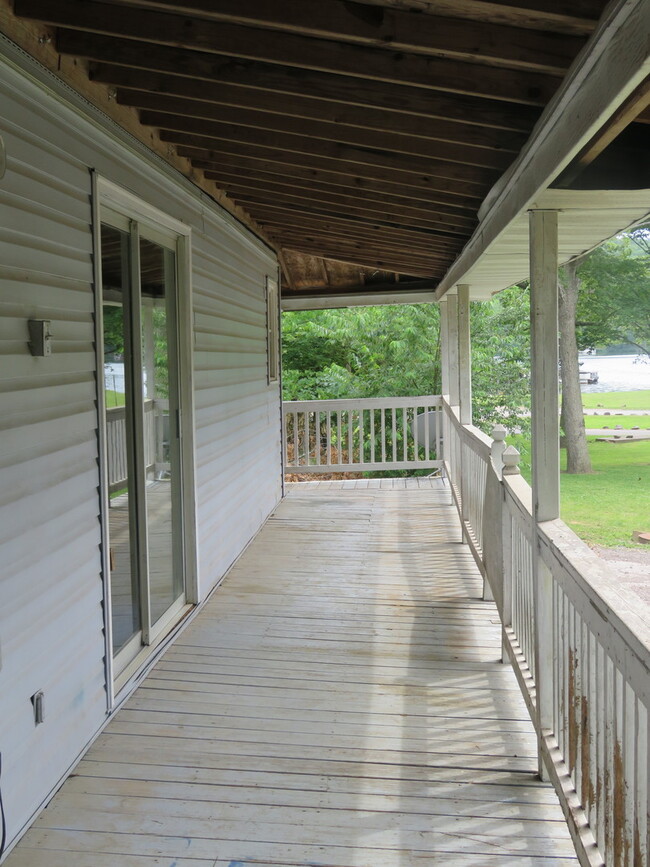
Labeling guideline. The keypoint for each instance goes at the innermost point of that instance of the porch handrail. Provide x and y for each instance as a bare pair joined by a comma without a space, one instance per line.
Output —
594,650
116,438
362,434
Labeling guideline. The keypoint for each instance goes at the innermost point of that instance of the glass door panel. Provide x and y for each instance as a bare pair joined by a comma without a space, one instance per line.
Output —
139,296
125,585
162,488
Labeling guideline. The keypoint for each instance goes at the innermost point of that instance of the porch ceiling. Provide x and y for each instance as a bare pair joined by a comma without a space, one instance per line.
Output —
361,137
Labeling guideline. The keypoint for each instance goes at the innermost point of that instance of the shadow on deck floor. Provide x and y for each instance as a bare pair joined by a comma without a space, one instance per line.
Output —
339,701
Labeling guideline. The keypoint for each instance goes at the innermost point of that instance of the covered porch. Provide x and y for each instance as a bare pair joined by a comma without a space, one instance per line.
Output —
339,701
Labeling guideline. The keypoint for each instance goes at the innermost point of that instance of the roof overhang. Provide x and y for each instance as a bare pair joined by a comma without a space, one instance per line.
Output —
614,65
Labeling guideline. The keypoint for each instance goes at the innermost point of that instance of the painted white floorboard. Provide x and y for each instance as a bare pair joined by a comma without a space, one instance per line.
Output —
339,702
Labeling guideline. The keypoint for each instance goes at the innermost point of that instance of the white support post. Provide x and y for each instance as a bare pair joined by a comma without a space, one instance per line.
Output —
464,355
452,348
545,443
444,345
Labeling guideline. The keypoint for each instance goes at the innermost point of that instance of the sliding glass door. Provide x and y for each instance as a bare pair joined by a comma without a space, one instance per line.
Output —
142,434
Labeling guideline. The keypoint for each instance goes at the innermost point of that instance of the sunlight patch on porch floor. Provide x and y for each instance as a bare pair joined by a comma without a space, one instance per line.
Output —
338,702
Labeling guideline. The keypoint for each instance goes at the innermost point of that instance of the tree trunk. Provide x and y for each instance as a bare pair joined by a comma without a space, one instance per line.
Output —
572,417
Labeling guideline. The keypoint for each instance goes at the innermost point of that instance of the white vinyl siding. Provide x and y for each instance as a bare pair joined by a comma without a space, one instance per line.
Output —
51,616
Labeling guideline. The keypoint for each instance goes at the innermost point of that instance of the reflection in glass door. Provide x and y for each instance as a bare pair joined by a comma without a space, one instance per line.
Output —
142,437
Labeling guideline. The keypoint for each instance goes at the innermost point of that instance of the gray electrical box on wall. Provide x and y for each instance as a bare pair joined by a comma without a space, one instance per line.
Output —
40,337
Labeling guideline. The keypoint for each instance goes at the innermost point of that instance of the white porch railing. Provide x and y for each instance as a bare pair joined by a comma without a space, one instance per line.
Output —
394,433
116,440
576,642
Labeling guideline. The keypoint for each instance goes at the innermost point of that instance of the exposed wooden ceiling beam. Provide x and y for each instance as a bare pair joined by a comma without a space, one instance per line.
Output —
308,83
439,128
369,260
204,132
404,239
243,184
389,28
286,49
262,181
376,139
333,239
326,243
578,17
305,178
348,206
268,205
213,151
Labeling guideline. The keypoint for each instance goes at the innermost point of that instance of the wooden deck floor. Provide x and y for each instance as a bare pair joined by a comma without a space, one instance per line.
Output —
339,701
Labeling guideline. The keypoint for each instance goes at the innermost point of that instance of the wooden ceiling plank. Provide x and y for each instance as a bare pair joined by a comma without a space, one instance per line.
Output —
286,49
380,139
325,245
577,18
251,201
232,179
395,29
379,262
455,193
243,184
204,131
270,205
315,85
397,236
333,232
297,176
439,128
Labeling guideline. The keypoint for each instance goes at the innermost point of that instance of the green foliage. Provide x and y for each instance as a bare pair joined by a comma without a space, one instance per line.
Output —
363,352
614,301
394,350
501,360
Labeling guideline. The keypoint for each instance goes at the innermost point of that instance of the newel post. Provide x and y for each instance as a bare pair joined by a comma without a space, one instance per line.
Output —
545,444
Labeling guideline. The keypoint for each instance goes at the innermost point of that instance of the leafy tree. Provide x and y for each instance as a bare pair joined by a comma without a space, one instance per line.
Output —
500,331
614,303
395,351
604,299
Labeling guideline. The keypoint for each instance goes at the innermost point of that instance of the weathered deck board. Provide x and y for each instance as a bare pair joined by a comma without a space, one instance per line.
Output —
338,702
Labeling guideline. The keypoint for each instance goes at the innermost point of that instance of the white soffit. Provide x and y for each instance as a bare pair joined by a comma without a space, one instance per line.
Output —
586,218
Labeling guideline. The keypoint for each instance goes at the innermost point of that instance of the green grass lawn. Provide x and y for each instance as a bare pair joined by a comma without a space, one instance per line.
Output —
114,398
606,506
617,400
627,422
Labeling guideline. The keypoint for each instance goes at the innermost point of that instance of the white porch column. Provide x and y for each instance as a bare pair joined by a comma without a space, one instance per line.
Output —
464,355
545,441
452,348
444,345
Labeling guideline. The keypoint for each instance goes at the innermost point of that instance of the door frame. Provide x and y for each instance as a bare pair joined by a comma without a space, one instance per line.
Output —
107,196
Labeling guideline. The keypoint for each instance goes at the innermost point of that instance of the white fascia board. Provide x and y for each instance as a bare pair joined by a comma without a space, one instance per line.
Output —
611,65
326,302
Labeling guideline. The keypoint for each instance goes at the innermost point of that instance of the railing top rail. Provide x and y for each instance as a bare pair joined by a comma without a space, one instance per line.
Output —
518,489
362,403
475,437
615,608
